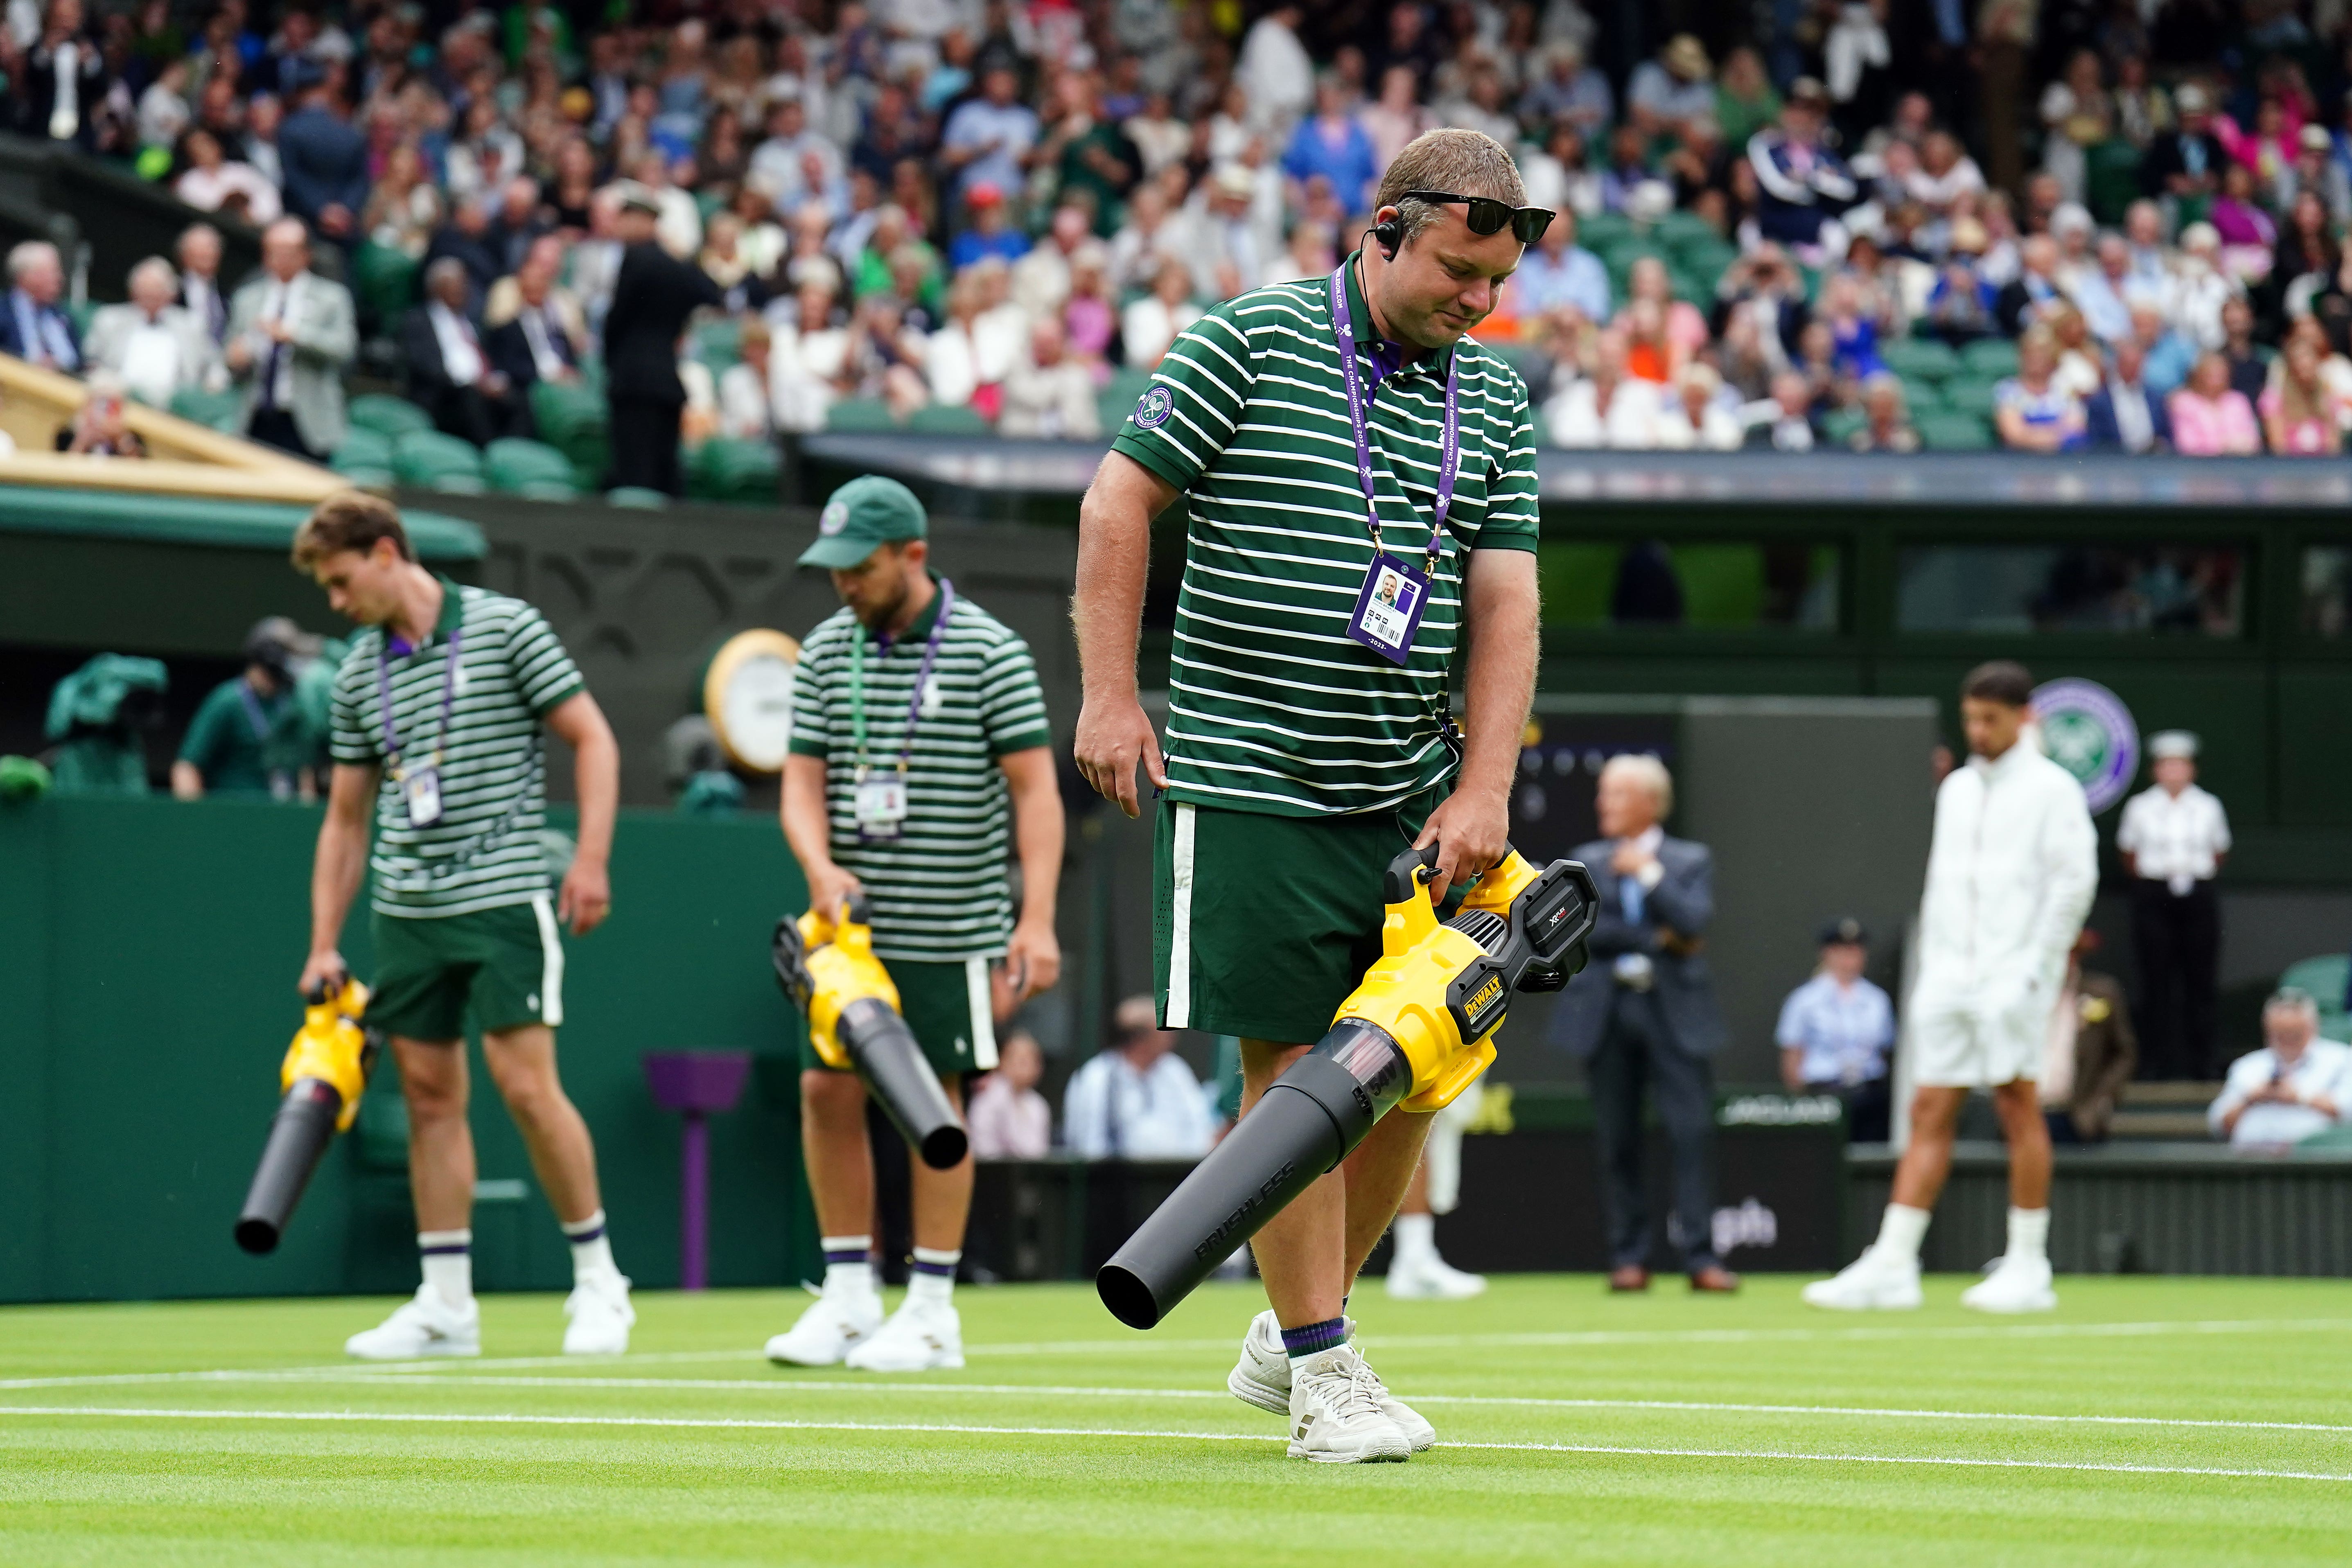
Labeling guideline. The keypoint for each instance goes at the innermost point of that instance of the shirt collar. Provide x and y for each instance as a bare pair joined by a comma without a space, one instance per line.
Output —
453,615
1648,839
920,626
1438,361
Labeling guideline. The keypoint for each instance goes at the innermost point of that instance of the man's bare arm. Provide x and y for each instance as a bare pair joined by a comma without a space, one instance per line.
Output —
1500,615
587,894
1114,557
808,829
1035,955
335,868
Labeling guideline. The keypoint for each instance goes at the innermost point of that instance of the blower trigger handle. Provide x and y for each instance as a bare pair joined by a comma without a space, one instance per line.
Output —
1407,874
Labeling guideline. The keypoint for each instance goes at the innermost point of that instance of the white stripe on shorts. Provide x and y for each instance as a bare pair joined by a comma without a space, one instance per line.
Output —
1179,925
983,1014
550,964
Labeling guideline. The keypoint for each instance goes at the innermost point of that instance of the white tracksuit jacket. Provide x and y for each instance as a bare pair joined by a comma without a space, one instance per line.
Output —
2010,873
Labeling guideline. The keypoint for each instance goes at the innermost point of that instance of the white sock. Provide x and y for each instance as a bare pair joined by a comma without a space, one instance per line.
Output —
932,1280
1901,1232
2029,1234
848,1264
448,1260
1416,1240
591,1249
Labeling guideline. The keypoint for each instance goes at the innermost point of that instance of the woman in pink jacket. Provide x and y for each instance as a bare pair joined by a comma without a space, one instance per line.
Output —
2211,418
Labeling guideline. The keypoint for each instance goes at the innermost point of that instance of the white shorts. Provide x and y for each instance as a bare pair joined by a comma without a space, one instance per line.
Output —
1966,1048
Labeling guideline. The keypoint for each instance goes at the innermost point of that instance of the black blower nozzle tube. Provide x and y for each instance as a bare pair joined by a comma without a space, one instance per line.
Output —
887,1058
1310,1118
299,1137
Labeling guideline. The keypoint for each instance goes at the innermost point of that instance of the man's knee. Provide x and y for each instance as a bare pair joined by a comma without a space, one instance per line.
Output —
522,1065
433,1081
834,1098
1936,1111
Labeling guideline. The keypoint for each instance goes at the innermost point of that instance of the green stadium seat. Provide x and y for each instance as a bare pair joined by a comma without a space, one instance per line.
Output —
1945,432
222,410
389,416
363,448
1922,396
717,344
573,420
637,498
529,467
2112,183
429,459
1989,356
383,283
1131,384
1679,230
939,419
1838,424
367,478
2326,978
1602,228
726,469
860,413
1970,395
1920,359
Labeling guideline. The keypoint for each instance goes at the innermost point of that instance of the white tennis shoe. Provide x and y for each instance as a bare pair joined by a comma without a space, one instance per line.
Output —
920,1336
1263,1377
2015,1285
1871,1283
599,1316
424,1325
1434,1279
1335,1412
833,1326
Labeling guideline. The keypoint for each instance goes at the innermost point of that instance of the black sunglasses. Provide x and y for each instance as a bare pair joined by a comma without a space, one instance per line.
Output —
1487,214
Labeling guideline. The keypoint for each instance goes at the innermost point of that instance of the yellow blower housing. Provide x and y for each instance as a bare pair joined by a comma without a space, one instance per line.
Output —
828,967
1417,1031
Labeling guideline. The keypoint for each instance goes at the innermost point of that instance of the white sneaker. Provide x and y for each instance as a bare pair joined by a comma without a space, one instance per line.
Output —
920,1336
2015,1285
1434,1279
1261,1377
1335,1412
599,1316
831,1328
424,1325
1871,1283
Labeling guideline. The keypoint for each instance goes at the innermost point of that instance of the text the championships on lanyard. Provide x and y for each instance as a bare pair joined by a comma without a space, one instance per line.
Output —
880,801
421,786
1388,609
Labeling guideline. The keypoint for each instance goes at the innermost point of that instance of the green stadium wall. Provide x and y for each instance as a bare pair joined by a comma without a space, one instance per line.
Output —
147,955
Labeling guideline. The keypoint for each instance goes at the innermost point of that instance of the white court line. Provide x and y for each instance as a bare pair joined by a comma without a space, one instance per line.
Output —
717,1424
1054,1390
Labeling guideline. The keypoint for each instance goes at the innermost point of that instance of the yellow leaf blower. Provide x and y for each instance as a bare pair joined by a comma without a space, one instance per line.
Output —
324,1074
830,971
1417,1031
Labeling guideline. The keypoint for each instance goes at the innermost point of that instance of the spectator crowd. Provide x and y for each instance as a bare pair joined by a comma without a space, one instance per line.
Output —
1870,225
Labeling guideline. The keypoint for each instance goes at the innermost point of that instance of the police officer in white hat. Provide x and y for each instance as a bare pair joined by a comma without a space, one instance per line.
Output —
2173,838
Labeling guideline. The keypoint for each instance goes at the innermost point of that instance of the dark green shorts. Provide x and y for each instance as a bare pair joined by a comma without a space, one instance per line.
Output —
506,965
1264,924
947,1006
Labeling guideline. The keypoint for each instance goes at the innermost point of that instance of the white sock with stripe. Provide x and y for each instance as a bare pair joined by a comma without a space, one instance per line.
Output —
591,1249
848,1264
932,1281
448,1260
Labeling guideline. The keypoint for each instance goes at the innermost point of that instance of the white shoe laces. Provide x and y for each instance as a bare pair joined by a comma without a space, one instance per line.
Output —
1363,1393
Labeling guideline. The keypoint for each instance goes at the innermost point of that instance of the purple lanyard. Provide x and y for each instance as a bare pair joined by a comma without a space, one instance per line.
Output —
922,678
1343,330
383,692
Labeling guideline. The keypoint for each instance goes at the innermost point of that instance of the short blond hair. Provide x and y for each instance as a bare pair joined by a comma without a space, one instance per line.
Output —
1465,163
349,519
1645,769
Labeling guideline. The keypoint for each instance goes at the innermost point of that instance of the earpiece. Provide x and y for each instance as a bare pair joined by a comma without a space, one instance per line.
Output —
1388,236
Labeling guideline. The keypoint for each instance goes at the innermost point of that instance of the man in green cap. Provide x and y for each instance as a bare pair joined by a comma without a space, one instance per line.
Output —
920,757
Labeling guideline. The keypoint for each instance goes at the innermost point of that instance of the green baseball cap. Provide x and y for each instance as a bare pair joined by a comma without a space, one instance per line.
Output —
865,512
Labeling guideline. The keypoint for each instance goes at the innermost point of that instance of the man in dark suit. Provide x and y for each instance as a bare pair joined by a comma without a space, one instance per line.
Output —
536,344
1643,1012
652,297
324,159
451,372
33,325
2124,415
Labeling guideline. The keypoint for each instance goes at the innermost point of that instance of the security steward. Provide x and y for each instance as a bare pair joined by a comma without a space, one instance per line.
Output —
239,742
1360,485
920,757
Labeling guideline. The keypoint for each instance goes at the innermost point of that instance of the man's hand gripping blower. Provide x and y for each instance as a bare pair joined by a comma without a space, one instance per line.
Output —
829,970
324,1074
1416,1033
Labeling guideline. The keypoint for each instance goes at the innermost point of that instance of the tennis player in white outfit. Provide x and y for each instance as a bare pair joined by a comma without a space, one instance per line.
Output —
2010,873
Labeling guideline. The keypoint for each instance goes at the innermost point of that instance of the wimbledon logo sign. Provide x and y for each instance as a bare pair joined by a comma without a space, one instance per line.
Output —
2087,731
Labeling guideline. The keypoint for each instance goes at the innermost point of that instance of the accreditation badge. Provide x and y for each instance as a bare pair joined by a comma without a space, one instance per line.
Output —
1388,611
881,803
421,788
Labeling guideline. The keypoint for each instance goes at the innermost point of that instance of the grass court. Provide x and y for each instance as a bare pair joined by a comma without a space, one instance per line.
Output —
2149,1421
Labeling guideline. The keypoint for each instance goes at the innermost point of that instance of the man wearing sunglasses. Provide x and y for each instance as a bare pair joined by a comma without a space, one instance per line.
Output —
1360,525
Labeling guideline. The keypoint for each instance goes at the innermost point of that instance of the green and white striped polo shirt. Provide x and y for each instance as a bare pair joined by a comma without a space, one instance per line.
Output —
1272,706
513,671
937,891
